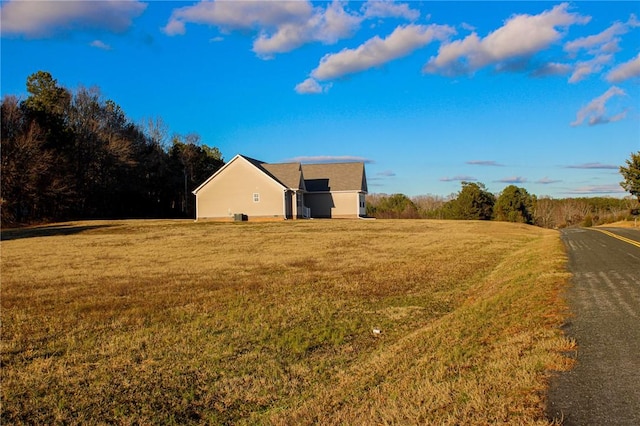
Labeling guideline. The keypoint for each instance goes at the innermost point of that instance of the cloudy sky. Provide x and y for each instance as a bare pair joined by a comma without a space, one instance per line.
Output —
544,95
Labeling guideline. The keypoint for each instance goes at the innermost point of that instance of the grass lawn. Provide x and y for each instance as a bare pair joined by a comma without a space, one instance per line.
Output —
141,322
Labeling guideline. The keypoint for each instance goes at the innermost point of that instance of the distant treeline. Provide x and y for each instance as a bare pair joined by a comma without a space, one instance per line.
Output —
513,204
73,155
70,155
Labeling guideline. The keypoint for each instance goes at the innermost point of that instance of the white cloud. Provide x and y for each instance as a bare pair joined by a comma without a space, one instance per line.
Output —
325,25
311,87
607,39
586,68
490,163
287,38
602,46
239,15
513,179
552,68
281,26
330,159
336,23
592,166
459,178
520,36
581,71
468,27
376,51
40,19
175,27
546,181
100,45
595,111
625,71
389,9
597,189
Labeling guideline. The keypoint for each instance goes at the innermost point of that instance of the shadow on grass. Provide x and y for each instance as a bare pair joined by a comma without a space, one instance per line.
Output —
46,231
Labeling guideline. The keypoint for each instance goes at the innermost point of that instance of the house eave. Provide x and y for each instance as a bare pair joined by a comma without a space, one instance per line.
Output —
345,191
195,191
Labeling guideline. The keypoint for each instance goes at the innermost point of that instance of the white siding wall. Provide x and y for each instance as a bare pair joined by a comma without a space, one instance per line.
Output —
346,204
231,191
337,204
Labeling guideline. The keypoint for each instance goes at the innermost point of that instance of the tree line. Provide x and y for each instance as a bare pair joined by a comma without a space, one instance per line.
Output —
513,204
71,154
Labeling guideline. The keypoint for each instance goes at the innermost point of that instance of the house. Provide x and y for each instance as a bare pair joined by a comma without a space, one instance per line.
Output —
259,190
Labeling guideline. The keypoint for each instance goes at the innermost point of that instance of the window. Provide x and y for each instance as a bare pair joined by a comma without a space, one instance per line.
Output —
256,197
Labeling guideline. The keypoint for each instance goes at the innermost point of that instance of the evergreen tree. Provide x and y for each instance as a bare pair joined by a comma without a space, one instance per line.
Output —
514,205
473,202
631,175
191,164
395,206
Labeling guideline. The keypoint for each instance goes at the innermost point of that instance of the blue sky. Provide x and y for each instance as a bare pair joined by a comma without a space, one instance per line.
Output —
544,95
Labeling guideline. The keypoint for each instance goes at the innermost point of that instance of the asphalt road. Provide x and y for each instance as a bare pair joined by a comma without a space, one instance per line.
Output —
604,386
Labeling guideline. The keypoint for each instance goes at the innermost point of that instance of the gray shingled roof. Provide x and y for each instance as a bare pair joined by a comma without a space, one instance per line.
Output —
288,174
335,177
317,177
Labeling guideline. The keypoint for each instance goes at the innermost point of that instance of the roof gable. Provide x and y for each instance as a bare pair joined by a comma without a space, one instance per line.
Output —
256,163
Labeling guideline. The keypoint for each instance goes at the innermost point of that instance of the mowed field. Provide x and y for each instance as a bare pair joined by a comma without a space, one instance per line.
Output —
160,322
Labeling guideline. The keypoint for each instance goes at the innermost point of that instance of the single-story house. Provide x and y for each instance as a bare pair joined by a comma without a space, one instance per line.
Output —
255,189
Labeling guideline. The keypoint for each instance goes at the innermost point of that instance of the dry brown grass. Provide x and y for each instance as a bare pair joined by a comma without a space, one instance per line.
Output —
622,224
139,322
